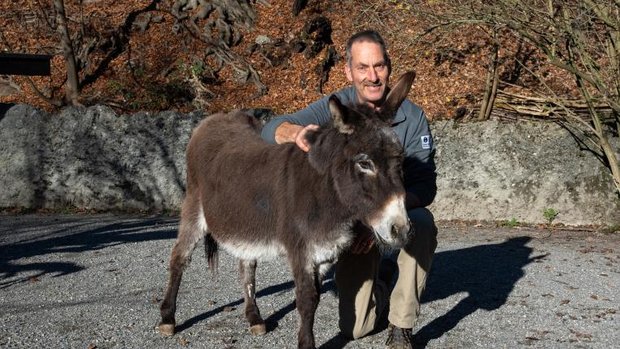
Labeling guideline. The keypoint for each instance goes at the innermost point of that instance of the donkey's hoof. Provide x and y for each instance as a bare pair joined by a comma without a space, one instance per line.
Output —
166,329
258,329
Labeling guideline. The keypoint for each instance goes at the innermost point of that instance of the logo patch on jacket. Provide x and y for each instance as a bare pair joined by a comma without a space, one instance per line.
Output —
426,141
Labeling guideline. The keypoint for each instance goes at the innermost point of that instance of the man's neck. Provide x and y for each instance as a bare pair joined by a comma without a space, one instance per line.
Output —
375,106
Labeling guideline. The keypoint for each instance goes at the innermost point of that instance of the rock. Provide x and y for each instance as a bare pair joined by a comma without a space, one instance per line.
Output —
497,171
92,158
262,40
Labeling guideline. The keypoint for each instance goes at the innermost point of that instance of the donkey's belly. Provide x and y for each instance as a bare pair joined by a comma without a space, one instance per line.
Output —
253,250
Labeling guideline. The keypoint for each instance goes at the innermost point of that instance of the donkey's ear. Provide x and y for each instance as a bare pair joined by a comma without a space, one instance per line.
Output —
340,115
399,92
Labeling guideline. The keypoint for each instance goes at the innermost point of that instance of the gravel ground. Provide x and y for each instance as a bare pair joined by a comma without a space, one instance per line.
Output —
95,281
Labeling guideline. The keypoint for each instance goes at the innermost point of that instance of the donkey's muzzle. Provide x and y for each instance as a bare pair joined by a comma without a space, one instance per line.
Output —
391,225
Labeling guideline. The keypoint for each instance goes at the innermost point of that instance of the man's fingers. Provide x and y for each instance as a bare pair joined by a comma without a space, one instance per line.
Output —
362,244
369,246
358,246
301,143
300,140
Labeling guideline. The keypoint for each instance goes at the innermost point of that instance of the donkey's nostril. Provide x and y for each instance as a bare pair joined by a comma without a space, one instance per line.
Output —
394,231
400,231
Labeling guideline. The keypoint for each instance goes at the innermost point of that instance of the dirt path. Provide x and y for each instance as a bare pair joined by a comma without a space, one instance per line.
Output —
95,281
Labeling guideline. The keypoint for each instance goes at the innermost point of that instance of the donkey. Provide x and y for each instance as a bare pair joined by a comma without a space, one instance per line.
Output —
259,201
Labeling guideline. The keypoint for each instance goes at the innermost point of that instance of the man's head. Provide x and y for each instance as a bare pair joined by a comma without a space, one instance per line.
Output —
368,66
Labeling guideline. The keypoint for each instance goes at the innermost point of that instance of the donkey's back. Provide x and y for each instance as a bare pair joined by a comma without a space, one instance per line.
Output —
239,187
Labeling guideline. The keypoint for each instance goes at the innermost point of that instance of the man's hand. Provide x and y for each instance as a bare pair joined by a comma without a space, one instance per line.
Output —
288,132
300,140
363,242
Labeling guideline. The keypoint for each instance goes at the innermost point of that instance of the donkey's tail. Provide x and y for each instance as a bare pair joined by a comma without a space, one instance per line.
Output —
211,251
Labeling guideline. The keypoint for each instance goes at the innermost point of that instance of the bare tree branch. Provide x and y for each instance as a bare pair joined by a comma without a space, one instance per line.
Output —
581,38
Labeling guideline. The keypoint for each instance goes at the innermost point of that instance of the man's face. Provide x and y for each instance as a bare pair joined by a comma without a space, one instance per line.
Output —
369,72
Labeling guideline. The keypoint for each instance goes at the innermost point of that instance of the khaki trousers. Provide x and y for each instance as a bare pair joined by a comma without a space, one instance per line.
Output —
363,297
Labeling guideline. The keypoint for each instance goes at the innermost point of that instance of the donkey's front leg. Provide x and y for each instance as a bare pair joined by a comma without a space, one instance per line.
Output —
247,271
307,287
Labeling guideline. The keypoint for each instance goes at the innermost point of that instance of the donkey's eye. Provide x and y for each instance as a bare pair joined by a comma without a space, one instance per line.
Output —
365,165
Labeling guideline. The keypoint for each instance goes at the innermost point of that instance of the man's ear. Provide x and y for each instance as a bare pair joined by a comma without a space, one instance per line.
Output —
347,72
398,93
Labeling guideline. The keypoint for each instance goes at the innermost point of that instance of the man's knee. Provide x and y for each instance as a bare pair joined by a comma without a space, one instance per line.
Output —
421,247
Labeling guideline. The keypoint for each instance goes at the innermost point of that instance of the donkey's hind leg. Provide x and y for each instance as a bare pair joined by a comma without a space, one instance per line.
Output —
247,270
191,230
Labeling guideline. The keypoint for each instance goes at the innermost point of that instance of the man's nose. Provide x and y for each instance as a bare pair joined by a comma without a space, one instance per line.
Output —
372,74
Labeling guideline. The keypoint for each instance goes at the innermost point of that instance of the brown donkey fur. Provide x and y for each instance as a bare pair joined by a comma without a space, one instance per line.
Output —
259,201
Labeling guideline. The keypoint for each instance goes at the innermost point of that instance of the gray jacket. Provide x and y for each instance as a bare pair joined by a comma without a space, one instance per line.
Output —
410,125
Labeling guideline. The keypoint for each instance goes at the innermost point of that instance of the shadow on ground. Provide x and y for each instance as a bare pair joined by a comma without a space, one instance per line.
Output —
65,240
486,273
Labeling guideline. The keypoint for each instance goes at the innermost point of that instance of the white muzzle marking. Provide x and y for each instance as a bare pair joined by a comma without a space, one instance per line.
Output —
391,224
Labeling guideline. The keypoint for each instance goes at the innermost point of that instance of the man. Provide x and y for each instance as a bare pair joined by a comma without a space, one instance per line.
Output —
363,280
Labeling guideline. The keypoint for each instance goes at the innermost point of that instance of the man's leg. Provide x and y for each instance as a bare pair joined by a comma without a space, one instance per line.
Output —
361,297
414,263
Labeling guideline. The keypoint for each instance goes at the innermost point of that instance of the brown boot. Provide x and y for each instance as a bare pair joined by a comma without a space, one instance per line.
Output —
398,338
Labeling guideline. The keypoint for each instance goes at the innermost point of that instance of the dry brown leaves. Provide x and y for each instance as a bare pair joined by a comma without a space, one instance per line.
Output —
442,85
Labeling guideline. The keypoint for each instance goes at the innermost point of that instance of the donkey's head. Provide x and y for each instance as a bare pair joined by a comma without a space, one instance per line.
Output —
364,158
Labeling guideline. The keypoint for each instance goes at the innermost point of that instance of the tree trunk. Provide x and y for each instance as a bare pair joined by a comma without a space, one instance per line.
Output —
490,90
72,88
603,141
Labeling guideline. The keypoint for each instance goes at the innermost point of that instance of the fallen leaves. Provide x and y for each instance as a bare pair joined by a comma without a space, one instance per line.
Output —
580,336
156,49
183,341
537,335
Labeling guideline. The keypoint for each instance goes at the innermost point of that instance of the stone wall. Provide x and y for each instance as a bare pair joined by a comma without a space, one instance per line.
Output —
93,158
499,171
